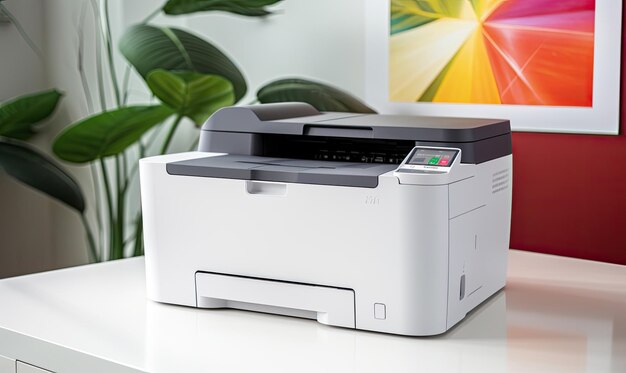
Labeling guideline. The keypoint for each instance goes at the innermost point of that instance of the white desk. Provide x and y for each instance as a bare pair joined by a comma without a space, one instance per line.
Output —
556,315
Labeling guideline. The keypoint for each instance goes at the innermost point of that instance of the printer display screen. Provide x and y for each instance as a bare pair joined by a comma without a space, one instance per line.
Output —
433,157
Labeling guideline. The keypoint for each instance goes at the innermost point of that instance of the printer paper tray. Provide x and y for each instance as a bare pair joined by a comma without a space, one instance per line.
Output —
288,170
329,305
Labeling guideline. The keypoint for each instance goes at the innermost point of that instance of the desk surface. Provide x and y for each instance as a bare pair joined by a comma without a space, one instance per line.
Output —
556,315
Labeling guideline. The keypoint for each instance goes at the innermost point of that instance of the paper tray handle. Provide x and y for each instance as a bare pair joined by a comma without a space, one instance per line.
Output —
331,306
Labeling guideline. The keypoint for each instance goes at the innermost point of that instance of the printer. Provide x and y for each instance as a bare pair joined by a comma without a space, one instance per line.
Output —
388,223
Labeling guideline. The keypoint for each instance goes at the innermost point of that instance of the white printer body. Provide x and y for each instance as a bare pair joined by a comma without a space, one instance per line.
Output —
394,224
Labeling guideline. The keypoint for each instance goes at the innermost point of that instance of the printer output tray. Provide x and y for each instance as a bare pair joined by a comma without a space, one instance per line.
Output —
303,171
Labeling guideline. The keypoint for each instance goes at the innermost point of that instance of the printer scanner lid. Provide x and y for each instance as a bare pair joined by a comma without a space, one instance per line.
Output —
303,119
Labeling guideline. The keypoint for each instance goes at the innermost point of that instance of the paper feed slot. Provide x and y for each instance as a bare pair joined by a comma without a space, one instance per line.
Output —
335,131
329,305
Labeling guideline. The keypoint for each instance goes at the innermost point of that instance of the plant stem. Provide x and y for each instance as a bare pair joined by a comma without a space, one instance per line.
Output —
99,70
153,136
127,177
107,188
120,219
125,83
125,181
142,152
81,67
151,16
92,244
22,32
98,199
116,245
138,247
131,174
170,134
194,145
106,28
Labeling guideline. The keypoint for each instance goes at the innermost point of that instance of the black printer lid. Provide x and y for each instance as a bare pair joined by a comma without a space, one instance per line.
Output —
303,119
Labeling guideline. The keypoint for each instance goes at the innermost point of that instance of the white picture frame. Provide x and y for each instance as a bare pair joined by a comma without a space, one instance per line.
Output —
601,118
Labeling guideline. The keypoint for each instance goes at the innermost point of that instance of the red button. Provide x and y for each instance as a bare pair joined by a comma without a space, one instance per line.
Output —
443,162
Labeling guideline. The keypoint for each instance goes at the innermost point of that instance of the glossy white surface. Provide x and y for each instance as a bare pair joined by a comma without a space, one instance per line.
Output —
556,315
7,365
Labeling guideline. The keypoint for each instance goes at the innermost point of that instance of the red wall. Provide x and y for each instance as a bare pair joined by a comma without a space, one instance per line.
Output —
570,204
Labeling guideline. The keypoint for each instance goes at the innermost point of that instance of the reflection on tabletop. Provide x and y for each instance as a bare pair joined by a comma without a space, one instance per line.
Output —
555,315
577,323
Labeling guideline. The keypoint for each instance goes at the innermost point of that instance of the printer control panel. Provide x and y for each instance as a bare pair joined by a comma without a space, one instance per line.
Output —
429,160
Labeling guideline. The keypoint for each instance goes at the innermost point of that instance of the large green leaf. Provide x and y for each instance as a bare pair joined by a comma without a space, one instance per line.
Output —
28,165
18,116
108,133
149,48
323,97
252,8
191,94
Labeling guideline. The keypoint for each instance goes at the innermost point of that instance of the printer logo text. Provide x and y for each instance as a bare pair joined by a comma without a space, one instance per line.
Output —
371,200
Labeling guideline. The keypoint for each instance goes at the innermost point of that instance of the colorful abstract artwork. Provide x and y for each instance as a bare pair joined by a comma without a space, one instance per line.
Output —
512,52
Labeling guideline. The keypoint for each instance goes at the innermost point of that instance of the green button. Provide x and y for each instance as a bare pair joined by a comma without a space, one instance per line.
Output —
433,160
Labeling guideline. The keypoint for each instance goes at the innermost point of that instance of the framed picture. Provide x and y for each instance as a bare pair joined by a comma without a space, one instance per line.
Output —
548,66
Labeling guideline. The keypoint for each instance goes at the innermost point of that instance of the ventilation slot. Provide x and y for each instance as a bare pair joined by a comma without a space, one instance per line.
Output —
500,181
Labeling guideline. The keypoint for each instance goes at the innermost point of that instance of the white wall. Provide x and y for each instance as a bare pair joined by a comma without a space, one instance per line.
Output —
20,69
322,40
25,220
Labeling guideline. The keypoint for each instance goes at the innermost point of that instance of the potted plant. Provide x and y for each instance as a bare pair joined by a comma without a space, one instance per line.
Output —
191,78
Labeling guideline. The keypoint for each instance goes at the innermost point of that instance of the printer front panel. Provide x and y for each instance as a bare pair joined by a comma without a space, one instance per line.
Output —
388,244
416,300
163,245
